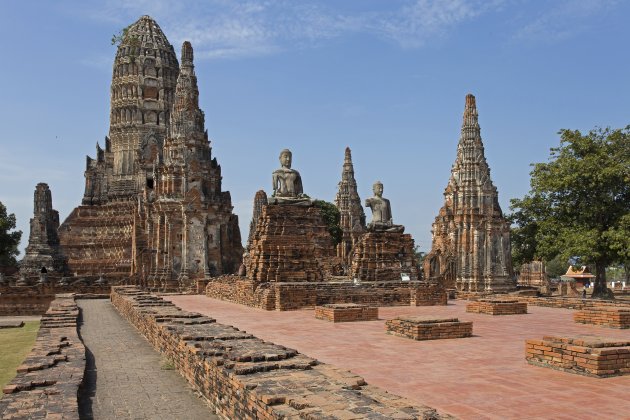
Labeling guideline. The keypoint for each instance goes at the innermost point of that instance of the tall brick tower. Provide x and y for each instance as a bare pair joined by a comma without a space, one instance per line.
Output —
352,220
153,208
471,238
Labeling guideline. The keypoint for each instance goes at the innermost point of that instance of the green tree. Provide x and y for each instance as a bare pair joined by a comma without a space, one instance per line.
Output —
331,216
9,241
556,267
579,202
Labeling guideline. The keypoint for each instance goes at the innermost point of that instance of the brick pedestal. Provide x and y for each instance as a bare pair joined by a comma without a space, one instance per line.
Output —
497,307
605,316
428,328
585,355
346,312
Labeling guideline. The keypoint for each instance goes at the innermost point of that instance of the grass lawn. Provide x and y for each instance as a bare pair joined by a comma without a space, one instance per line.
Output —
15,344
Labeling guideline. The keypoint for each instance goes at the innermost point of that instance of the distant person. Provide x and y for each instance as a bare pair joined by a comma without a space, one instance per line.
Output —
584,293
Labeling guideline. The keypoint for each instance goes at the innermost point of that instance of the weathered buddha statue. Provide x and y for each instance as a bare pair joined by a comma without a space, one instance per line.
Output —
381,212
287,183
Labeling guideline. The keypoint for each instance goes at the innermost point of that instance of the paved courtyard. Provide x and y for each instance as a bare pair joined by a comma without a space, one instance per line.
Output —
125,377
485,376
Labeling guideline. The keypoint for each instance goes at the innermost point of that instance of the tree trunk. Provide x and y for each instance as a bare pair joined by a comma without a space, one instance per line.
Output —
601,290
626,269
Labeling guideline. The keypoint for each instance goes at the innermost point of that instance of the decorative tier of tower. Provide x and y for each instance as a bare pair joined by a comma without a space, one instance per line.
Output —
153,207
352,216
43,255
471,238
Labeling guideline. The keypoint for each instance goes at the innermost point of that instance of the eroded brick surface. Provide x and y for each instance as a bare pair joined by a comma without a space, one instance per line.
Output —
346,312
497,307
606,316
245,377
428,327
585,355
47,382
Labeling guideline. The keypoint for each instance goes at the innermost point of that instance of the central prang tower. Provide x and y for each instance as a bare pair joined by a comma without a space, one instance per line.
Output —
142,92
153,208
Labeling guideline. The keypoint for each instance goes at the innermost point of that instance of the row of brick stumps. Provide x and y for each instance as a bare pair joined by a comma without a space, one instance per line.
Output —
428,327
591,356
244,377
497,307
47,382
605,316
346,312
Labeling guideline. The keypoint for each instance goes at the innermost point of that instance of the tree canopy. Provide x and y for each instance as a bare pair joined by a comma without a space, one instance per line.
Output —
9,241
579,203
331,215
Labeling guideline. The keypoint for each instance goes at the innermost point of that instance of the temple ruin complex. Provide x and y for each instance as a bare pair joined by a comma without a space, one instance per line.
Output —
471,238
153,207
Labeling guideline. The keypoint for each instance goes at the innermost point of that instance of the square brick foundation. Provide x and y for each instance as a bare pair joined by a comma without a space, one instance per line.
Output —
497,307
605,316
428,328
346,312
598,357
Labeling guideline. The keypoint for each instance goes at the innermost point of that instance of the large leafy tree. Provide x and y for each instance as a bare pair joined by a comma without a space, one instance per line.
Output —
579,203
8,240
331,215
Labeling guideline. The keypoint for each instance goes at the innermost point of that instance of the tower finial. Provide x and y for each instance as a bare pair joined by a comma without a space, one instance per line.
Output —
187,54
471,117
348,156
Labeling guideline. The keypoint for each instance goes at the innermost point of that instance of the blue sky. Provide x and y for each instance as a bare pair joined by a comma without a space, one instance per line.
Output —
386,77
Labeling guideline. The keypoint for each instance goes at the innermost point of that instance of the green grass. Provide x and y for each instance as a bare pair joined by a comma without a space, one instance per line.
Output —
15,344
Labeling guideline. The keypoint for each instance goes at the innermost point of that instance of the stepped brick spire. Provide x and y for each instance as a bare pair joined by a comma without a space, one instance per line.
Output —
142,91
153,211
352,220
260,200
42,253
471,238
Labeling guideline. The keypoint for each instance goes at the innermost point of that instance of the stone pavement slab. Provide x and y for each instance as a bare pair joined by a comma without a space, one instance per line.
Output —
125,378
482,377
11,324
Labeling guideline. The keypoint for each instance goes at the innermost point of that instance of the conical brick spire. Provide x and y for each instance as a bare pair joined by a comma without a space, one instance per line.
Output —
471,239
260,200
352,220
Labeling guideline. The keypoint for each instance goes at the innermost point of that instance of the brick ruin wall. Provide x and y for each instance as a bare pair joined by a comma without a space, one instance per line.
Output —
35,300
244,377
428,328
345,312
496,307
291,296
48,380
611,317
552,302
589,356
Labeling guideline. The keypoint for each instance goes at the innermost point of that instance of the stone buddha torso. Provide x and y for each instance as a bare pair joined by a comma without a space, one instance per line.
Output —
381,212
287,183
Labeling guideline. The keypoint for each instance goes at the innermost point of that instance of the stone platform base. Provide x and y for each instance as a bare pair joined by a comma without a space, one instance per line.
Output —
384,256
611,317
497,307
585,355
428,328
290,296
346,312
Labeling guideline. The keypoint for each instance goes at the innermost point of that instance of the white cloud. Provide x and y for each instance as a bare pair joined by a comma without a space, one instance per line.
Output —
564,21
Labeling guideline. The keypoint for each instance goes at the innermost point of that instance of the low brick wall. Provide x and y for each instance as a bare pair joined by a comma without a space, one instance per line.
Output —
428,328
549,302
28,304
292,296
497,307
612,317
591,356
47,382
346,312
244,377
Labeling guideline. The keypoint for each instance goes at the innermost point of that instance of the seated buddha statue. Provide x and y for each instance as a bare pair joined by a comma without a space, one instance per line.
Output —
287,183
381,212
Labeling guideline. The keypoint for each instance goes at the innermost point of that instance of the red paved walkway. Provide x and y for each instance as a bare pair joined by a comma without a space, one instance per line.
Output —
485,376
